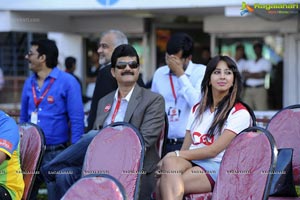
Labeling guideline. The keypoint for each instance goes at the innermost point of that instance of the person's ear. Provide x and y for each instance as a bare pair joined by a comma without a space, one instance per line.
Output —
42,57
112,71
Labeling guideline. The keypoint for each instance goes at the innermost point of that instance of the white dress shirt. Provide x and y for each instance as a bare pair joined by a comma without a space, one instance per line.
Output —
122,109
187,88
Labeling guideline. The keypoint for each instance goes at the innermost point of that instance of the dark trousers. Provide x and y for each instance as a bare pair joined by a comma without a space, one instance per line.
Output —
65,169
147,186
172,147
50,153
4,194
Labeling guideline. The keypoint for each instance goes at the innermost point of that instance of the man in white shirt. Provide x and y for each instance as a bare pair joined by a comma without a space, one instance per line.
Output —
254,74
179,82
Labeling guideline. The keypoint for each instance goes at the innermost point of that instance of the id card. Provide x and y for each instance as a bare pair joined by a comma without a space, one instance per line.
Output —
34,117
174,114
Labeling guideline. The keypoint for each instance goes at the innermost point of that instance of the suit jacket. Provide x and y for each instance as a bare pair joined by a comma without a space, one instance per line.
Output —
105,83
146,112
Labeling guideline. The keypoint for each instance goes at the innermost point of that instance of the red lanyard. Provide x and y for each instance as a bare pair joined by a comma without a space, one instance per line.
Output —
172,87
38,101
116,110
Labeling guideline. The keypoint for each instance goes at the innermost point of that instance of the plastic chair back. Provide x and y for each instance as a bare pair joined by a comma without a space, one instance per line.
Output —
32,147
244,171
285,128
118,150
96,186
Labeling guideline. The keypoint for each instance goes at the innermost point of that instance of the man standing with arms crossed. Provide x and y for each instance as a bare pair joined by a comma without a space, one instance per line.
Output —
254,73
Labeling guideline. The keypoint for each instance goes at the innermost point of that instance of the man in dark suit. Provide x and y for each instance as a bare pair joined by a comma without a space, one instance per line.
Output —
129,103
105,82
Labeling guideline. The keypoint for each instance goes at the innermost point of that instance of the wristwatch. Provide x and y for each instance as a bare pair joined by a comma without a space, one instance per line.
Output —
177,153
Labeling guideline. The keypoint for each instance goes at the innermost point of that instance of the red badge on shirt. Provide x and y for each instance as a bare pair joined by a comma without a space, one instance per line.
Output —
50,99
107,108
6,144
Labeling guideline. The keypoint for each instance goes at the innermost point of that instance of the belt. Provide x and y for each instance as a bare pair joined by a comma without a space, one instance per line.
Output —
56,147
175,141
254,86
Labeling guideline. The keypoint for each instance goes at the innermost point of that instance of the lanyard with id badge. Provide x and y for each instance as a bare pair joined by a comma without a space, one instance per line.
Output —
34,114
173,112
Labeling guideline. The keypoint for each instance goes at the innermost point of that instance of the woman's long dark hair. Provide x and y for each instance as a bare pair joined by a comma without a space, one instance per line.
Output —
228,101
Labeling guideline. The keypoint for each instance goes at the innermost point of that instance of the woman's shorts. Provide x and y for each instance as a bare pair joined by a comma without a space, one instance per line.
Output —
211,168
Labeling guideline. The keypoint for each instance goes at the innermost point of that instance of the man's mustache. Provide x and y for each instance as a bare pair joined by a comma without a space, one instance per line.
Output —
127,73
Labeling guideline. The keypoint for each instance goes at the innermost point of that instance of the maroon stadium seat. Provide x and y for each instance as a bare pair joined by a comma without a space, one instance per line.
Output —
245,165
32,147
117,150
96,186
285,128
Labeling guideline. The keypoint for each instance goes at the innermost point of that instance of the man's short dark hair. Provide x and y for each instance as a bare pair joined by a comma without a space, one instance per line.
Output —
258,45
180,41
69,62
49,49
122,51
239,46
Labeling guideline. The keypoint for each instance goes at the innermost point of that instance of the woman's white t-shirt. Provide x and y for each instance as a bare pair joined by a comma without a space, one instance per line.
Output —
238,120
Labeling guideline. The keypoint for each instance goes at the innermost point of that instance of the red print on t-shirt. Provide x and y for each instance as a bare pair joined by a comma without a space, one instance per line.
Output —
202,139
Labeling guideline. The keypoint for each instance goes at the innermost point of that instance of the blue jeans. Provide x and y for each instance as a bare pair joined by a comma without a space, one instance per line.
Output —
50,153
172,147
64,179
4,194
65,169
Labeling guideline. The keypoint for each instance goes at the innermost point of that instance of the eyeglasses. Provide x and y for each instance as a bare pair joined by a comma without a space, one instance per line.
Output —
103,46
31,53
131,64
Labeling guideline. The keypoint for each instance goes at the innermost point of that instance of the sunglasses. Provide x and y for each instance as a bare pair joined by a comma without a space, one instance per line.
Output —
131,64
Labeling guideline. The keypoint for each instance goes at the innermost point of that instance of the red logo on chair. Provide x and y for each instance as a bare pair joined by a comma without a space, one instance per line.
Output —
107,108
6,144
50,99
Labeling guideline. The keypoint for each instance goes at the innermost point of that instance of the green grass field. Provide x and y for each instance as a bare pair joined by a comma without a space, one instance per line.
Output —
298,189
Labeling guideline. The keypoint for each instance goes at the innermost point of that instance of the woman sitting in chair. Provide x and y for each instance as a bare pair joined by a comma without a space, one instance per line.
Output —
212,125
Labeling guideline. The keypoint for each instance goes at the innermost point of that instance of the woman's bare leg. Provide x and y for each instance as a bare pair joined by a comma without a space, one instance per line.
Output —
171,185
195,181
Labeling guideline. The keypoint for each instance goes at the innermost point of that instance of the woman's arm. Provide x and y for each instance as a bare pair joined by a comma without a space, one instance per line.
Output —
187,141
